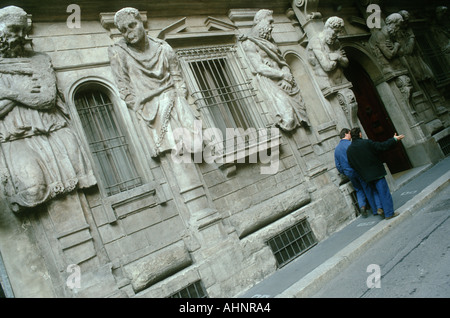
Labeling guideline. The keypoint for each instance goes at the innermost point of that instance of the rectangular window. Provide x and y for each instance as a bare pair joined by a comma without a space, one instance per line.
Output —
292,242
221,92
107,142
444,143
194,290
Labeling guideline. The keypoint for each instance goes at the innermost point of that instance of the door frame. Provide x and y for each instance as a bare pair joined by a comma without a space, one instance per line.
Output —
390,106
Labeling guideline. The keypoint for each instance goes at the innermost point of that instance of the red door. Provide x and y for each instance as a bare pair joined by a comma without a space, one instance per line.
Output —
374,118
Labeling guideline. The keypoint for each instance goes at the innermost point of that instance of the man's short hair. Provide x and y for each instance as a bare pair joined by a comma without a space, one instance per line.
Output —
355,132
343,132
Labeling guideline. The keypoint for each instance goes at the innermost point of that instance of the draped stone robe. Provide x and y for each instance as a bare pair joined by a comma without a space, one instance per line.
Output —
151,85
267,63
41,156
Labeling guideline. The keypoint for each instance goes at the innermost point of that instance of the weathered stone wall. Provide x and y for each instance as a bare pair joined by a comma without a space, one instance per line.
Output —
197,222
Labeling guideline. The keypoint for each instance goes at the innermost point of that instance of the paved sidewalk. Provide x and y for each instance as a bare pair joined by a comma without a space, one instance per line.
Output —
306,274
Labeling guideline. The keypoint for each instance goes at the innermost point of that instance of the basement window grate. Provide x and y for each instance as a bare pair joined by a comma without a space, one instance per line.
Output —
292,242
194,290
444,143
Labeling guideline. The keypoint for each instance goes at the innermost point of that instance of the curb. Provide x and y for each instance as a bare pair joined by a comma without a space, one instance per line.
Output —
311,283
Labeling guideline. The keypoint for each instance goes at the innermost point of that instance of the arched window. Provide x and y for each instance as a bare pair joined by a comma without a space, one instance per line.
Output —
107,142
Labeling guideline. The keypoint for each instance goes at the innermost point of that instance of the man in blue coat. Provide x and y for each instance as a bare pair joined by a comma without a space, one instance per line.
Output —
362,156
363,191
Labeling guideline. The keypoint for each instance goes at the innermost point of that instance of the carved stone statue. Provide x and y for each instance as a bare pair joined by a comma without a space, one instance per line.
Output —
419,69
326,55
441,31
148,76
385,45
40,156
272,74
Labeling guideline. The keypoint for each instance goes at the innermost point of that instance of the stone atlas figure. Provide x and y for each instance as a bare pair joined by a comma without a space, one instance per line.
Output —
41,157
148,76
272,74
386,46
326,55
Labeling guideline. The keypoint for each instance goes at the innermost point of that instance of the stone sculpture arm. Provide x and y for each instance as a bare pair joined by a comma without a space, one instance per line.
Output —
282,75
122,79
342,58
5,107
33,98
36,89
175,72
324,60
386,46
259,66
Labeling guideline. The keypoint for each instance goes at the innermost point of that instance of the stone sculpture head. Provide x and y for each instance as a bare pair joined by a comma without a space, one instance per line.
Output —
129,22
332,28
393,23
13,29
263,24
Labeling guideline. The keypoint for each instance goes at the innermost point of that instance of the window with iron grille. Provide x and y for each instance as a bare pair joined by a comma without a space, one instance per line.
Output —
107,142
194,290
292,242
444,143
221,92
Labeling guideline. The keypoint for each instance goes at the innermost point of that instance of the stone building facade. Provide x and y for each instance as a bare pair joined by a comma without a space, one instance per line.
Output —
139,222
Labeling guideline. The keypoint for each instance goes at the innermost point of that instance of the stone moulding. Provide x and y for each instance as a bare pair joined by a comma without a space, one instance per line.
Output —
107,19
123,204
262,214
157,266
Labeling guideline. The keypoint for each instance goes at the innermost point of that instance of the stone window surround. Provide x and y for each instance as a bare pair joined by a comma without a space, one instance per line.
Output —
116,204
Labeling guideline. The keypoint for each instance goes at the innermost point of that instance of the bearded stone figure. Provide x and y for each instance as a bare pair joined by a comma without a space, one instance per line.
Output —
272,74
41,157
326,55
386,46
419,69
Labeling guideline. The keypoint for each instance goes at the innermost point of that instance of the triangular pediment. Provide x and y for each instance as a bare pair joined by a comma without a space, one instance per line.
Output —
212,31
174,28
213,24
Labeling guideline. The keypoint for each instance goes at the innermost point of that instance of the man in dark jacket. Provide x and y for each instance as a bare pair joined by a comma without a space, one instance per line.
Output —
363,191
362,156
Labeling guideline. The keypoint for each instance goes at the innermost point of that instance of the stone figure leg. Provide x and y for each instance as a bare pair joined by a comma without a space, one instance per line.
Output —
74,166
28,167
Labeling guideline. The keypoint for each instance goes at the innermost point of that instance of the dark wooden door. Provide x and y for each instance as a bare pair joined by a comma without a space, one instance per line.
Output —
374,118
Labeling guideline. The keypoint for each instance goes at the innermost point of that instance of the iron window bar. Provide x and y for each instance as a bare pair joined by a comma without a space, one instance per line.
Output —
194,290
218,86
107,142
292,242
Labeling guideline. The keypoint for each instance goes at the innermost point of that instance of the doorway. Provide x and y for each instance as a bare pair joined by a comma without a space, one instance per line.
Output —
374,117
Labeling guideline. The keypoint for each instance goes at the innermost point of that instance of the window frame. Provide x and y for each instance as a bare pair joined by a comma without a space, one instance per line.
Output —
250,141
286,246
123,121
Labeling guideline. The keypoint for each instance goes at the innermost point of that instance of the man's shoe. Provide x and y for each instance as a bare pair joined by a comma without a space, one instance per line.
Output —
392,216
380,212
363,212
